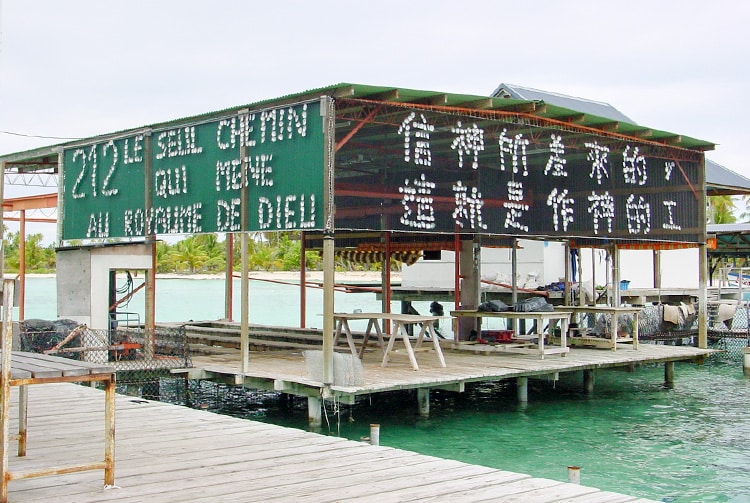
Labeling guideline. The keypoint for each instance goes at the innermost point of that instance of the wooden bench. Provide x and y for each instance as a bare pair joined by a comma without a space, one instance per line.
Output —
23,369
530,343
609,340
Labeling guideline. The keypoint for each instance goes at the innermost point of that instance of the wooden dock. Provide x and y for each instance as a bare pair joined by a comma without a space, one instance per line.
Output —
285,371
168,453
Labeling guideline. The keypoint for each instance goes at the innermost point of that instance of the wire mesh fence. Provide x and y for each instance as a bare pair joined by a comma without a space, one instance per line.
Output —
728,329
138,354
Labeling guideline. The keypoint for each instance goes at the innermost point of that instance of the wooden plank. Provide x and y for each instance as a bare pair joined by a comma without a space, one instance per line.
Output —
207,457
520,491
448,486
66,365
43,367
19,374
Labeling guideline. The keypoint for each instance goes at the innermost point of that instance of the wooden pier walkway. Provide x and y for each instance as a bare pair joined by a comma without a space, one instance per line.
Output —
167,453
286,371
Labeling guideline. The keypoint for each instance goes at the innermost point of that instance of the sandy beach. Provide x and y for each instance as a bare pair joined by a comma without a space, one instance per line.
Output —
340,277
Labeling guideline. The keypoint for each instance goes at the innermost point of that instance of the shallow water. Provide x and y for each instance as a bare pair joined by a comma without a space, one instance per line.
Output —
686,444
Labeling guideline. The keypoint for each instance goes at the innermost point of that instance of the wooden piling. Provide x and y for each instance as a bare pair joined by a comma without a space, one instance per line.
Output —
574,474
669,374
588,381
314,412
374,434
522,389
423,401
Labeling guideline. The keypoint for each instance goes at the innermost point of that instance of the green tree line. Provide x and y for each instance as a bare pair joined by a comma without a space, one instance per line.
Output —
198,254
205,253
39,258
281,251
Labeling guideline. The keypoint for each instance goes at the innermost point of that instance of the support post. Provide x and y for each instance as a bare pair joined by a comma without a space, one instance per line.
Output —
522,389
314,412
302,281
23,419
245,306
457,325
469,281
2,224
229,278
574,474
385,278
746,361
150,276
423,401
669,374
588,381
579,265
615,276
514,282
245,267
702,297
374,434
22,267
592,302
457,270
566,279
328,111
109,431
7,329
328,307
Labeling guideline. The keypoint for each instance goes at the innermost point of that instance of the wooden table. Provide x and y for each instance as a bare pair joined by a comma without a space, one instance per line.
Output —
586,338
399,330
23,369
526,344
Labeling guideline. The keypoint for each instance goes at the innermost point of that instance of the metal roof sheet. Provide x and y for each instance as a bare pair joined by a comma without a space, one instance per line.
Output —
587,106
545,110
723,181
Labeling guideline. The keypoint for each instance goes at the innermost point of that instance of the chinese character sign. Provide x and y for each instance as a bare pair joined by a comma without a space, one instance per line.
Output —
507,176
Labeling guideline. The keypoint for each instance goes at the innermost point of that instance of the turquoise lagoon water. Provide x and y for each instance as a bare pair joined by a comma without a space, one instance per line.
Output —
634,436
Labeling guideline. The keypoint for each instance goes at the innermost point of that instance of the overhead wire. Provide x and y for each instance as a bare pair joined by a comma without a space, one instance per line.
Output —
38,136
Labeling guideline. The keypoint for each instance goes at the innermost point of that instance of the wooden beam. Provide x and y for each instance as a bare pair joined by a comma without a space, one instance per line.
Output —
344,92
524,108
482,104
434,100
609,126
390,95
30,202
672,140
642,133
577,118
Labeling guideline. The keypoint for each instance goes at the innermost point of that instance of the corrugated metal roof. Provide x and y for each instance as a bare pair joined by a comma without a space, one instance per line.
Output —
723,181
538,108
586,106
728,228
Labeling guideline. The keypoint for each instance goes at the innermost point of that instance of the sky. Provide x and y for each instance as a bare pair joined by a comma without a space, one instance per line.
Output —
80,68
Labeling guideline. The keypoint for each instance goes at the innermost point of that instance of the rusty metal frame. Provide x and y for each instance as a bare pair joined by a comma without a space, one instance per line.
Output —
108,378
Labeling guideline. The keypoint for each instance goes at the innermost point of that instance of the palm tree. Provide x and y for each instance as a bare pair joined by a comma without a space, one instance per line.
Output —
745,214
189,254
164,262
215,250
721,210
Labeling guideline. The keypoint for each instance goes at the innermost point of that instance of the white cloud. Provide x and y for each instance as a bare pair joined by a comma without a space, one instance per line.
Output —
85,67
